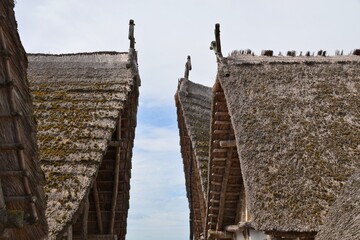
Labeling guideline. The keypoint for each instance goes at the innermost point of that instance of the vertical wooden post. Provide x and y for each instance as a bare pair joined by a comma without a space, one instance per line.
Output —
217,39
84,233
116,178
69,233
97,207
188,67
131,34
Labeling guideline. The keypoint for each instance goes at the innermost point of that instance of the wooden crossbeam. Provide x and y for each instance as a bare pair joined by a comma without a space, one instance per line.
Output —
228,143
9,115
11,147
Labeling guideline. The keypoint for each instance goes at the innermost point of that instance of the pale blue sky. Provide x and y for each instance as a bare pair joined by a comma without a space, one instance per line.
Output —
166,32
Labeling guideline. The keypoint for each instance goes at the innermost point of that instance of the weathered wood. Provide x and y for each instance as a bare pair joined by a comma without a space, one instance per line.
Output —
222,122
217,39
221,131
223,189
9,116
115,143
219,235
131,34
11,173
116,178
219,150
239,227
11,147
188,68
217,114
17,136
28,198
69,233
97,207
84,230
228,143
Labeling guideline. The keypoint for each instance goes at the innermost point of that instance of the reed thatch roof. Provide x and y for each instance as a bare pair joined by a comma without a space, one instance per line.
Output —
296,123
343,219
78,99
193,102
21,177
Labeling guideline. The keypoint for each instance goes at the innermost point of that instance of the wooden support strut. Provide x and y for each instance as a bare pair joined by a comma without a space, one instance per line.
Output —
217,39
97,207
116,178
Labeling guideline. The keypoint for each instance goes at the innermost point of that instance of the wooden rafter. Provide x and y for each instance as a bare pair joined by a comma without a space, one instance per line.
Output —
116,178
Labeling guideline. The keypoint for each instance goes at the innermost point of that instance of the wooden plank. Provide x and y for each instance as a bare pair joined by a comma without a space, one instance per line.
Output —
221,131
228,143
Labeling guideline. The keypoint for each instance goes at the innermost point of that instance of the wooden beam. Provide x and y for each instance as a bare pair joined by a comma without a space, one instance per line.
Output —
116,178
69,233
228,143
223,189
218,114
222,122
239,227
97,207
84,232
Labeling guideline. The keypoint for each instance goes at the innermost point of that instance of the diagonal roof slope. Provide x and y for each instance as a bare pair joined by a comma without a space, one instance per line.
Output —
343,219
195,102
296,123
77,98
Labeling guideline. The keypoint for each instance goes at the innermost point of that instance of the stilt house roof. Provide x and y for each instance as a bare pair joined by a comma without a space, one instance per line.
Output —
295,120
21,189
193,102
78,99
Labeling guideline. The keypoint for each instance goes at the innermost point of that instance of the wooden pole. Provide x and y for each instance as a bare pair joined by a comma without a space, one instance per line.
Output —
116,178
84,233
97,207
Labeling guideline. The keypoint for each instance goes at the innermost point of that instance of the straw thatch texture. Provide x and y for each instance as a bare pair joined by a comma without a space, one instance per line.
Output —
296,123
20,129
77,98
343,220
193,102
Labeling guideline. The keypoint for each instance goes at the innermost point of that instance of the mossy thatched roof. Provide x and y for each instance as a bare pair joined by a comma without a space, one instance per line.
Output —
195,102
296,122
77,98
343,220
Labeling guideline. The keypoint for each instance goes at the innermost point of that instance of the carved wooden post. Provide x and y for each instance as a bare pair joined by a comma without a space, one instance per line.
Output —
188,67
131,34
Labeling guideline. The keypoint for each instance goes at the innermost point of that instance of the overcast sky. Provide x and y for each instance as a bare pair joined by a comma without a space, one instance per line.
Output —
166,32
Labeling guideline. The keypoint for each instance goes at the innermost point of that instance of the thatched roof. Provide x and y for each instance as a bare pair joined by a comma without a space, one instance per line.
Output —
343,219
296,123
78,99
193,102
21,177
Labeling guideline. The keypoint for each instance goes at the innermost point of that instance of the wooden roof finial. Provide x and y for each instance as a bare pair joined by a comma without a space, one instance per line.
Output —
131,34
216,45
188,67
